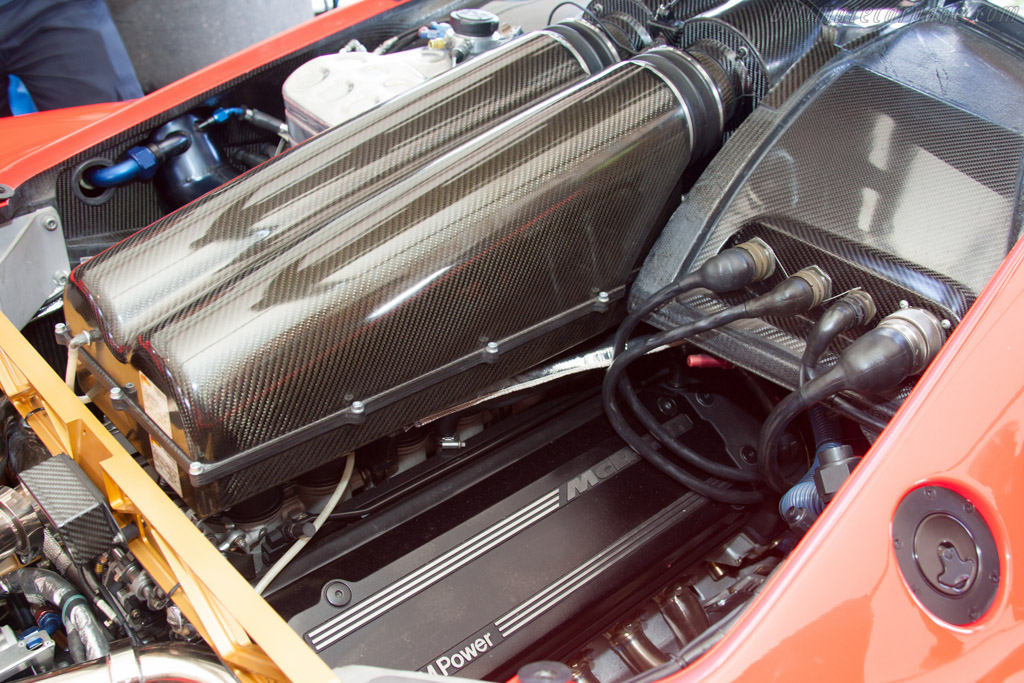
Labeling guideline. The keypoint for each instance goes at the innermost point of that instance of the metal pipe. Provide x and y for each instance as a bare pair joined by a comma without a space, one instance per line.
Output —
163,662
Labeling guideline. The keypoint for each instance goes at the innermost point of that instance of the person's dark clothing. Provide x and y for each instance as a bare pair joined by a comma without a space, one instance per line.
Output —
67,52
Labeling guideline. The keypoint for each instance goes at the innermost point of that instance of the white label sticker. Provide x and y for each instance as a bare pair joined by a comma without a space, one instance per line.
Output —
155,403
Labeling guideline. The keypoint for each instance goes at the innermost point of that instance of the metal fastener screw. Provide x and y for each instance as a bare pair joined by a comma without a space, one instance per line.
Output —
195,468
116,394
492,347
994,577
667,406
974,613
357,407
897,543
946,324
50,223
904,303
749,454
929,492
968,507
603,297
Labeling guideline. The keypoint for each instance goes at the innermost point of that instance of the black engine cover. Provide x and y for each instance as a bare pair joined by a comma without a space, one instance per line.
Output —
519,555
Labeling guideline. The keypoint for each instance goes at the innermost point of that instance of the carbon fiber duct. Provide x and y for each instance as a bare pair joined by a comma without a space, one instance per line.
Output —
758,42
896,168
494,257
225,234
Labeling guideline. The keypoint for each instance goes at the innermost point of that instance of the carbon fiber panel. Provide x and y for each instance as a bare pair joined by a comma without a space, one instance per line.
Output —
892,162
494,257
766,37
73,507
230,232
520,225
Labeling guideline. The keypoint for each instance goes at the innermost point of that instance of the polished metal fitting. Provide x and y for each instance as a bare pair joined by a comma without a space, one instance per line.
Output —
922,329
763,257
819,281
861,298
21,530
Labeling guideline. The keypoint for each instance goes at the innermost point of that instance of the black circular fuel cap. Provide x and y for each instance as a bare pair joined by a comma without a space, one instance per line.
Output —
475,23
946,553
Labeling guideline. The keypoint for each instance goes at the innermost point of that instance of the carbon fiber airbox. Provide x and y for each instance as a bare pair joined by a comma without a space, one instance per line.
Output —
897,168
493,256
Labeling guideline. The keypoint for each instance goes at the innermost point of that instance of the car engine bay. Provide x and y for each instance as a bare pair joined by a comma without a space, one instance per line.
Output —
471,344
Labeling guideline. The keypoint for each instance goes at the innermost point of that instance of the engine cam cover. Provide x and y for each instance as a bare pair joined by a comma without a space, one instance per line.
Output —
484,262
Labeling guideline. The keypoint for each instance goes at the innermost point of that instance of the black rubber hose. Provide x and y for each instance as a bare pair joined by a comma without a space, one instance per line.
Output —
611,382
649,422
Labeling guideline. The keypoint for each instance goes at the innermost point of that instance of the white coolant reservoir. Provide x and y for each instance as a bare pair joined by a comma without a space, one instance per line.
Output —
332,89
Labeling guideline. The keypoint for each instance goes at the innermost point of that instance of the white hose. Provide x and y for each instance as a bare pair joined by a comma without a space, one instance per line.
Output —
332,503
72,368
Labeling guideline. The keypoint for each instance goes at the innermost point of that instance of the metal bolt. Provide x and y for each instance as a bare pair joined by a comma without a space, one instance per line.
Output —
994,577
897,543
904,303
603,298
357,407
929,492
749,454
667,406
195,468
705,399
50,223
968,507
945,324
974,613
741,52
136,614
60,278
116,394
492,347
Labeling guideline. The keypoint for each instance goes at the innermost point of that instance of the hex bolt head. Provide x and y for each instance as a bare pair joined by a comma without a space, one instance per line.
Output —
357,407
603,297
195,468
492,347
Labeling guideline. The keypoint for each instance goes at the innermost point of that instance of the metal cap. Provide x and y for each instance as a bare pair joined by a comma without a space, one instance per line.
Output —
922,329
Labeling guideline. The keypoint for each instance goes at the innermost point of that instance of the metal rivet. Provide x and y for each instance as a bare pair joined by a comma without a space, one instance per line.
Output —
357,407
336,593
50,223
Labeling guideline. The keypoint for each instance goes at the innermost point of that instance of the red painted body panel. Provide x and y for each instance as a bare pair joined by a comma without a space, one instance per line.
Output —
71,131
